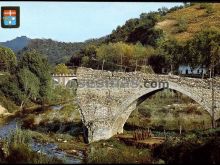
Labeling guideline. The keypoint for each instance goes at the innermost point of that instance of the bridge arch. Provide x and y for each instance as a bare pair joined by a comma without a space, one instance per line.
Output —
129,105
54,80
71,80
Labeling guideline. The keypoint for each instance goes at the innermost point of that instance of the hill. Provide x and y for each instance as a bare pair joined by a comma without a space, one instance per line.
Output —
180,22
195,18
17,44
56,52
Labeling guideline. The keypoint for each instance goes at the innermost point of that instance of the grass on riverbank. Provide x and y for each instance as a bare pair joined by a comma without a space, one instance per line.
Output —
59,121
113,151
9,105
16,149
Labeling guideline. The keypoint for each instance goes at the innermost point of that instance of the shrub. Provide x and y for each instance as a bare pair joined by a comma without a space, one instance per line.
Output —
209,9
8,104
182,24
190,109
204,5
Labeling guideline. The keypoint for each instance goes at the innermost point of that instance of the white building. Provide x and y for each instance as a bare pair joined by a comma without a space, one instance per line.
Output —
184,69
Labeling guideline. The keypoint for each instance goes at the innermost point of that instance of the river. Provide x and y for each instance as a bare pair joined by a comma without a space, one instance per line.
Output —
50,149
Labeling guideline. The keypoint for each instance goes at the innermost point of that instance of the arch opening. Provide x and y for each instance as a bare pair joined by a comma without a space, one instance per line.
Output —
140,97
72,84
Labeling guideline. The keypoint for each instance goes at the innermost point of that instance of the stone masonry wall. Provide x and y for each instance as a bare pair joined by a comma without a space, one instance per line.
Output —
107,98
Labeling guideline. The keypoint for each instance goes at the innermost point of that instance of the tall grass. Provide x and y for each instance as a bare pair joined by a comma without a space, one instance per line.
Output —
114,151
16,149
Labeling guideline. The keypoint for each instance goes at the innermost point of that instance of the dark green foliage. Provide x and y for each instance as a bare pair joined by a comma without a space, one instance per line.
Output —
138,30
30,85
7,59
84,57
163,11
190,150
30,80
10,88
121,33
37,64
145,35
157,62
203,48
175,8
7,103
173,53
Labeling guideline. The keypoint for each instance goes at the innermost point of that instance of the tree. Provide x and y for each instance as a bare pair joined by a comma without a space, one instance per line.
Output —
38,65
145,34
10,88
157,62
163,11
172,50
215,55
85,61
61,69
30,85
201,46
123,55
7,59
85,56
110,54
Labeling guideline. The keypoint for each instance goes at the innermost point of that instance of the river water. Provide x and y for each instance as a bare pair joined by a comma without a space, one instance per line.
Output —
49,149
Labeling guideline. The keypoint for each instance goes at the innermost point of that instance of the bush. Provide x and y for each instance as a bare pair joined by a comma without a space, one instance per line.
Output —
145,112
8,104
204,5
190,109
209,10
182,25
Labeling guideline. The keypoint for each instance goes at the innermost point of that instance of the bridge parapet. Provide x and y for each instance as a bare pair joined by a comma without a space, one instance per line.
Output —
63,75
90,74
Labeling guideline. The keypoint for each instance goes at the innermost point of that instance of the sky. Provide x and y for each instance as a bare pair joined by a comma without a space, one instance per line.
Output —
74,21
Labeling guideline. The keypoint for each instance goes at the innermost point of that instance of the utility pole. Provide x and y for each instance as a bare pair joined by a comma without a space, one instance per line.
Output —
136,66
213,97
103,62
214,55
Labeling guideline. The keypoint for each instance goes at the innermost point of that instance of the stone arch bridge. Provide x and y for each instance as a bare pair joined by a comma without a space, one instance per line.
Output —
106,99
